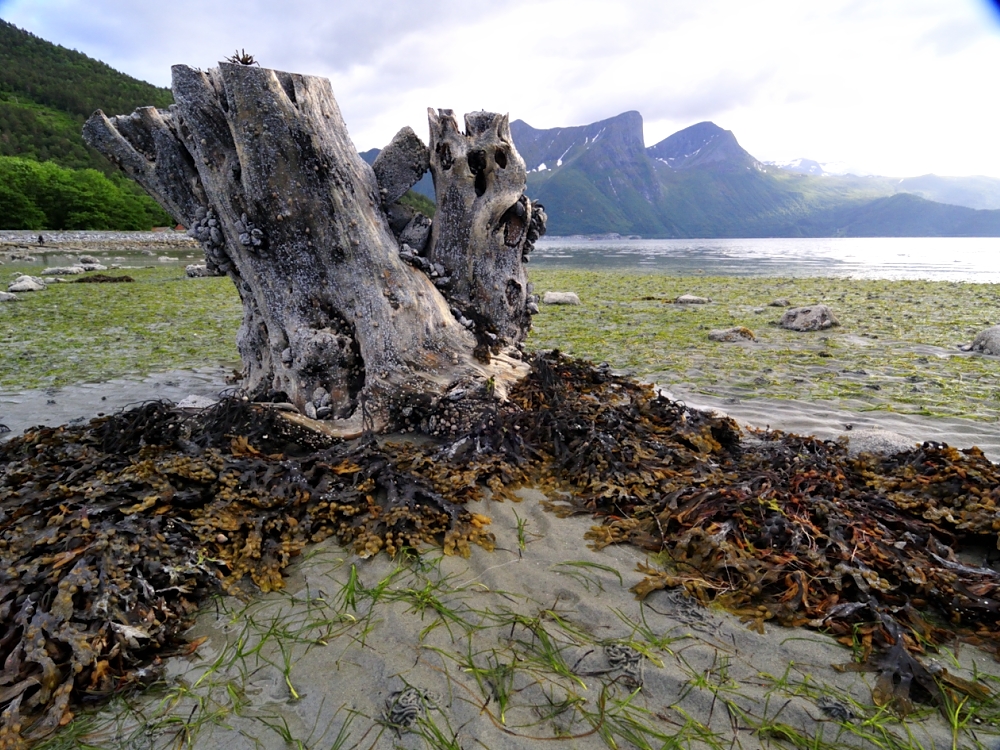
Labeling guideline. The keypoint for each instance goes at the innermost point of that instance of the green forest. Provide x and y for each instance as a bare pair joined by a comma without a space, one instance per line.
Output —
43,195
54,180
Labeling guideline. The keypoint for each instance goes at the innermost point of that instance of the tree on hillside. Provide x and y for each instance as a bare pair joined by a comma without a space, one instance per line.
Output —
356,308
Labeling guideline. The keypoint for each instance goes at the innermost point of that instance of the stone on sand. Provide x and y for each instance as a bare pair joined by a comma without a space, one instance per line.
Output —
730,335
26,284
988,341
561,298
198,270
812,318
878,441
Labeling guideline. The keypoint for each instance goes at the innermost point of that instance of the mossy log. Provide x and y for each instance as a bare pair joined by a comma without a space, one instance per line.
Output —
356,309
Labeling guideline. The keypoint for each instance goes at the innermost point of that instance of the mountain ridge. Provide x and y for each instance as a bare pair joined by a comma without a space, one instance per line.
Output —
699,182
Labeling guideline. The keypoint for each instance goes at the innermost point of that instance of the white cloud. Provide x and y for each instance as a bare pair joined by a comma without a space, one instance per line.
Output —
898,87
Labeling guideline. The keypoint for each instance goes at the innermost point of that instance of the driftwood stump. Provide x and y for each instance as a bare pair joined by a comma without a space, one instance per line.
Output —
356,308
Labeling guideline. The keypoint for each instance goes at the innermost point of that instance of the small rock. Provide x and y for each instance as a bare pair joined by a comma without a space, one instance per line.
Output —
26,284
416,233
88,260
561,298
93,267
813,318
988,341
198,270
5,297
780,302
739,333
196,402
63,271
692,299
877,441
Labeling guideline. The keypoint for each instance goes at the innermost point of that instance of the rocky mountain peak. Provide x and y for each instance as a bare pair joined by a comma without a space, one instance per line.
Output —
548,149
702,144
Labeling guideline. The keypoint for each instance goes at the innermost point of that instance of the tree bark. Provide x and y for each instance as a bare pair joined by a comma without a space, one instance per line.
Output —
351,312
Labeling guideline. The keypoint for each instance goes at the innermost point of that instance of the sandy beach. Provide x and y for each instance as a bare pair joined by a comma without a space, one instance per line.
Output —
538,642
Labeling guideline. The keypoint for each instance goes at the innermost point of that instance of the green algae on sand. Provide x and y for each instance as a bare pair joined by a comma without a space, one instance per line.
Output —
74,333
896,347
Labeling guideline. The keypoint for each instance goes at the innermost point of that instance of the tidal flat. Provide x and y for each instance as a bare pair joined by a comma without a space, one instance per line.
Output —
896,348
541,640
76,333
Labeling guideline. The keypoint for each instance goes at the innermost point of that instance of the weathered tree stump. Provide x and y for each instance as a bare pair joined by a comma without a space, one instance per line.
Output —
356,309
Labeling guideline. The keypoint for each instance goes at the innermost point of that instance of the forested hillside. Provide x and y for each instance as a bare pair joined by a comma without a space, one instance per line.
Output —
46,94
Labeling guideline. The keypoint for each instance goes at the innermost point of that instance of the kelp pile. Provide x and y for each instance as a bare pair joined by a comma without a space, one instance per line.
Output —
113,532
110,535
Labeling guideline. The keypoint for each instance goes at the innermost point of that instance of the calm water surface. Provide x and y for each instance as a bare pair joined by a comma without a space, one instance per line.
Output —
975,259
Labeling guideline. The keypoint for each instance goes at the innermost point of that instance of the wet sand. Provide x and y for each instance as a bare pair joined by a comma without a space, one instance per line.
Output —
827,420
538,641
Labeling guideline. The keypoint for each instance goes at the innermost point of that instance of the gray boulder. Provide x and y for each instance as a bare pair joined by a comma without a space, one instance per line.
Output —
63,271
6,297
988,341
812,318
26,284
561,298
416,233
88,260
400,164
199,270
692,299
877,441
731,335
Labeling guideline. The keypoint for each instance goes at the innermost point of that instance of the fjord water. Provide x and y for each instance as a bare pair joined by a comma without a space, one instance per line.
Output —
972,259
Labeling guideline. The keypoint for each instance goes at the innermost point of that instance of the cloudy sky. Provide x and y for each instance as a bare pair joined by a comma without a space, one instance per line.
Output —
892,87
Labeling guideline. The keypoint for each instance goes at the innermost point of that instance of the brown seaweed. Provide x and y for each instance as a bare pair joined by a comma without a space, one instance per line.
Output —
112,533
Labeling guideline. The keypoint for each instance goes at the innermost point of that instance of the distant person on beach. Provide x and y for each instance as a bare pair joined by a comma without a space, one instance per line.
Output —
41,239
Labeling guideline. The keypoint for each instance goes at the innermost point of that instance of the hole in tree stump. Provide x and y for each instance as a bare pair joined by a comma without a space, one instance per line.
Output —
477,165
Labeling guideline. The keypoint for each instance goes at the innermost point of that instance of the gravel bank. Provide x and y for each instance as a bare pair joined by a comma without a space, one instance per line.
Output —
16,242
